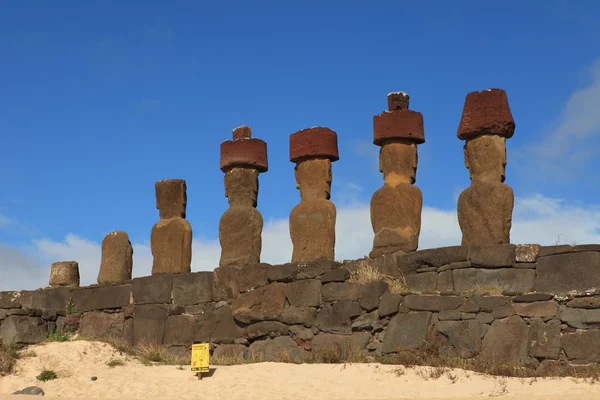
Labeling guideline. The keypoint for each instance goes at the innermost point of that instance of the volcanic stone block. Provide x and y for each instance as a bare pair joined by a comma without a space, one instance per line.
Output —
432,303
298,316
240,227
582,346
493,256
152,289
180,330
444,281
389,305
463,338
217,326
53,298
101,298
337,275
544,339
312,221
262,304
423,282
527,253
171,236
192,288
100,325
338,348
149,323
511,280
225,283
543,309
265,328
340,291
18,330
506,342
556,249
252,277
64,273
305,293
396,207
336,318
585,302
561,273
279,349
406,332
369,294
486,112
117,258
10,299
580,318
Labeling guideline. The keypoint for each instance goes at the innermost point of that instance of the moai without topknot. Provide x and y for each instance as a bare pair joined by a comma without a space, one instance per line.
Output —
485,208
312,221
171,237
240,228
396,207
117,258
64,273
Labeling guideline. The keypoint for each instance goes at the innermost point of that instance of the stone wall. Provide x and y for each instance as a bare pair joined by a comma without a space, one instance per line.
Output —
510,304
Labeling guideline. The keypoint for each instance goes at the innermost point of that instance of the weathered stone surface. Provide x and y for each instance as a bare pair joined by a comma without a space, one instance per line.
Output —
503,312
449,315
240,227
506,342
409,263
538,309
171,236
152,289
336,318
456,265
445,281
98,324
486,112
580,318
406,331
582,346
369,294
564,272
422,282
532,297
297,315
192,288
340,291
262,304
585,302
336,275
556,249
225,283
231,351
389,304
101,298
587,247
432,303
525,265
312,221
338,348
489,303
180,330
300,332
484,318
10,299
280,349
64,273
55,298
462,338
149,323
365,321
117,259
544,339
17,330
304,293
31,391
265,328
128,332
217,326
511,280
297,271
252,276
493,255
527,253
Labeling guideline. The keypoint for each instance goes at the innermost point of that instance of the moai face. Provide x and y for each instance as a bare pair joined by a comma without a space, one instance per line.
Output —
313,178
241,186
485,157
398,162
171,198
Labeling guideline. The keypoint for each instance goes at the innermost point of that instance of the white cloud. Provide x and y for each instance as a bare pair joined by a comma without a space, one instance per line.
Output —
536,219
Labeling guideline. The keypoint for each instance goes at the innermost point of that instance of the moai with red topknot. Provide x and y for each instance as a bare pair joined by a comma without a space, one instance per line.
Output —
117,258
485,208
240,228
396,207
312,221
171,237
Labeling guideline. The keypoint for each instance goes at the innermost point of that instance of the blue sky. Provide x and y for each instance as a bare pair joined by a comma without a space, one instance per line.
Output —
102,99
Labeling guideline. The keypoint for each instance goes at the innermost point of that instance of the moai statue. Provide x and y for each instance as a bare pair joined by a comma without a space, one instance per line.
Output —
64,273
171,237
240,228
396,207
485,208
117,258
312,221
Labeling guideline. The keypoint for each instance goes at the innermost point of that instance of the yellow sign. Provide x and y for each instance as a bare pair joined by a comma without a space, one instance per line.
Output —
200,357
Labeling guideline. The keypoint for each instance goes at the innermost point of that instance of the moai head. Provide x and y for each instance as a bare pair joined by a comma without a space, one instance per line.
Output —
486,123
313,150
242,159
171,198
398,131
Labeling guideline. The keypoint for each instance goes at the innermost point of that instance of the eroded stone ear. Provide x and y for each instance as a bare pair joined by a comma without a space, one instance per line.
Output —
380,160
466,155
226,186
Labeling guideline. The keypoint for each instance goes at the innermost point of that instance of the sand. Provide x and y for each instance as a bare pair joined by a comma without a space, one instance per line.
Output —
76,362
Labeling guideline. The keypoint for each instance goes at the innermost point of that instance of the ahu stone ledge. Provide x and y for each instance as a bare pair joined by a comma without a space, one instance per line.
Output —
466,301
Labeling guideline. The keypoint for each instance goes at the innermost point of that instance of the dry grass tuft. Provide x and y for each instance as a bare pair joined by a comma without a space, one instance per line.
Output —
8,358
366,272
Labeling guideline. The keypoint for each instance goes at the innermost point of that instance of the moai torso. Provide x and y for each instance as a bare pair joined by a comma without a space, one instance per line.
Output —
117,258
396,207
64,273
171,237
240,228
485,208
312,221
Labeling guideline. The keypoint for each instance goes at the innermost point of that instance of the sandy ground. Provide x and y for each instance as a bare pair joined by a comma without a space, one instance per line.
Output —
76,362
